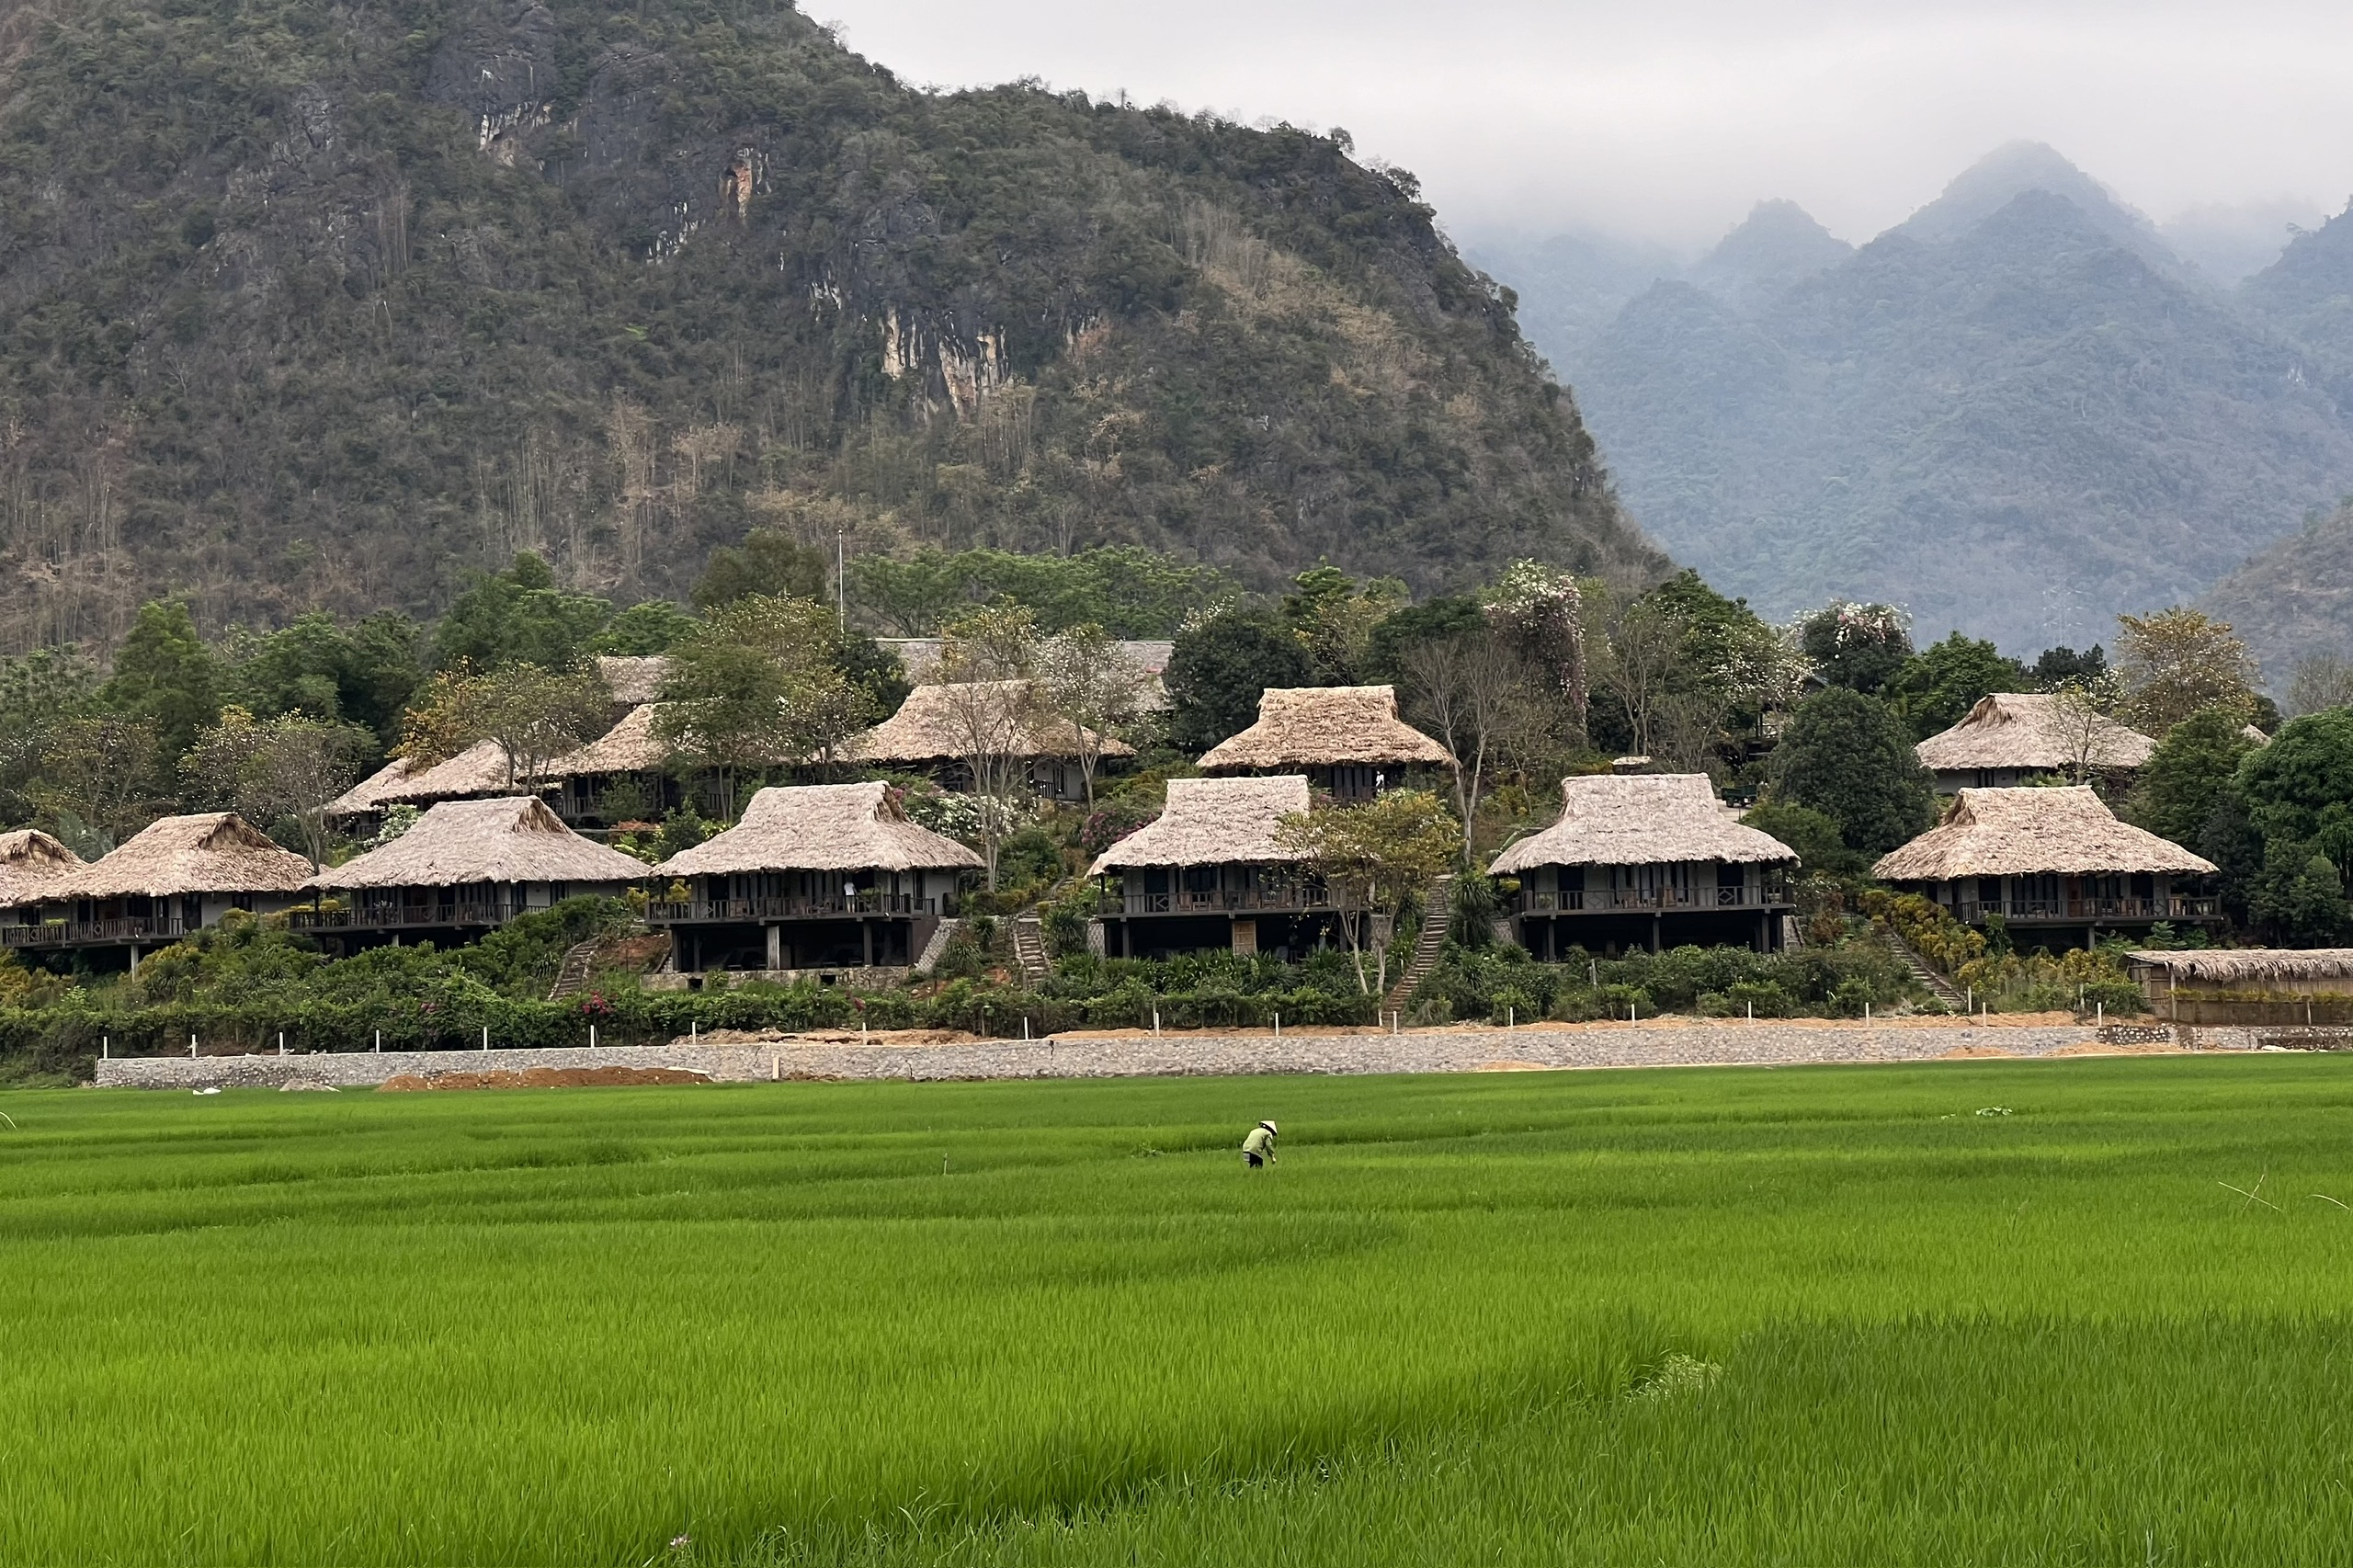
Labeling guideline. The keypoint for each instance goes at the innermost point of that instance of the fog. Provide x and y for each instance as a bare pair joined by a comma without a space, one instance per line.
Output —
1667,120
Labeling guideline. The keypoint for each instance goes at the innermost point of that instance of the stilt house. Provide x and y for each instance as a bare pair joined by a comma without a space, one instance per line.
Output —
2011,737
175,876
938,728
1209,872
1345,740
32,864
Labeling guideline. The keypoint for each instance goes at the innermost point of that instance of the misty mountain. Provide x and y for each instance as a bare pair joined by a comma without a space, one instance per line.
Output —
326,306
1776,247
2295,598
2232,243
2017,412
1570,287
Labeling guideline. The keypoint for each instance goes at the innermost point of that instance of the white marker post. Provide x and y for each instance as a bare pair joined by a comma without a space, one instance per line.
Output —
486,1036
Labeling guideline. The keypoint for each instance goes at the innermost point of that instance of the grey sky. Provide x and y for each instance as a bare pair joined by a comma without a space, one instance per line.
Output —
1667,118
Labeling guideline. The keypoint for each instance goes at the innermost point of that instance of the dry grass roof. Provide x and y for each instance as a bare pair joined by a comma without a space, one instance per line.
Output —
2029,730
633,679
1641,818
479,769
1213,822
2251,966
31,863
928,728
821,828
629,746
210,852
515,838
2014,833
1324,726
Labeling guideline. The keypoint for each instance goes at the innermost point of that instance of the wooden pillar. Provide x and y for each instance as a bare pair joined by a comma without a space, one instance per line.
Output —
865,930
1657,922
776,947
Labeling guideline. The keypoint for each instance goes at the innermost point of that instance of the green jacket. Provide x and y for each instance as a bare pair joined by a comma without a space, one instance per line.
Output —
1260,1141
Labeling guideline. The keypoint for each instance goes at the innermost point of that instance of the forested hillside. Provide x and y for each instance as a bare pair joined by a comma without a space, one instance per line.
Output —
322,307
2017,411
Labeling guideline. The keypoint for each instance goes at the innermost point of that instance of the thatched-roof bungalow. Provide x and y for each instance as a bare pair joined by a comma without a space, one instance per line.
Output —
172,878
2055,861
625,771
1344,739
1646,861
31,864
1211,871
477,771
634,679
2248,985
2012,736
465,868
936,729
816,877
919,659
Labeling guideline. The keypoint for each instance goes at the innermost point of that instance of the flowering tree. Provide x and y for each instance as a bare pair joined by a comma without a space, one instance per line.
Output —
1375,856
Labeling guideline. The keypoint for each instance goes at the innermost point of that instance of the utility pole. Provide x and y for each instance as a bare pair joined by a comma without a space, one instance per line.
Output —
841,581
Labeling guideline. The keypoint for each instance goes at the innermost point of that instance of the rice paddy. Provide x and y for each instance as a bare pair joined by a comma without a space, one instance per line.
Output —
1964,1312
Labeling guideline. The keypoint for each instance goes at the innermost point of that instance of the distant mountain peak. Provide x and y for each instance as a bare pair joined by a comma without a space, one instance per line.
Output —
1776,247
2012,170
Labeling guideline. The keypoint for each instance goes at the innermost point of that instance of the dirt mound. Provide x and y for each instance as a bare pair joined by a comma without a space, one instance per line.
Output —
542,1078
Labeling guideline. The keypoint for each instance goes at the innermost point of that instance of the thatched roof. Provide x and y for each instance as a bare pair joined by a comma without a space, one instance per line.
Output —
821,828
635,678
1641,818
2028,731
926,728
515,838
31,863
2251,966
479,769
629,746
1213,822
1324,726
211,852
2025,833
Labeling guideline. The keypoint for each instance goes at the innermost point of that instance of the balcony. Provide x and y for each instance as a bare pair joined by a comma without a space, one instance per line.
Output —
403,917
2073,910
141,930
1650,901
738,910
1224,900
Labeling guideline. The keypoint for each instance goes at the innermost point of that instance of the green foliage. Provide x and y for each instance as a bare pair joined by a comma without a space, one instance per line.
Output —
1936,687
2298,897
1333,617
167,677
2176,792
1845,756
1432,620
314,665
1813,835
1219,667
654,627
518,616
770,564
1130,592
1475,983
2056,666
1857,646
2299,787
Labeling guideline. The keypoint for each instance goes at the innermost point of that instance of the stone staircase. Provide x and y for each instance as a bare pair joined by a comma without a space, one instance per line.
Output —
1437,914
928,959
571,975
1935,984
1029,949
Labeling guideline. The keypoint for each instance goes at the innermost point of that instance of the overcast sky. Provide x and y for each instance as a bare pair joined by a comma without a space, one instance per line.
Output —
1668,118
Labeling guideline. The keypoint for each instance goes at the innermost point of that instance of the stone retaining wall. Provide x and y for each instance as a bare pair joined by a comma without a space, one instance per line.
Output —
1081,1056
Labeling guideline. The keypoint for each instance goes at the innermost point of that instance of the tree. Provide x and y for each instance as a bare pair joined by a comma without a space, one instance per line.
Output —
1542,611
167,677
2299,787
654,627
361,675
1128,591
535,714
280,771
1217,670
1936,687
96,783
40,694
1086,681
2298,898
768,565
2177,791
1857,646
1643,654
757,684
1472,690
1429,621
2057,664
1378,857
1812,833
2177,660
1848,757
2322,681
518,616
995,642
993,707
2082,718
1334,619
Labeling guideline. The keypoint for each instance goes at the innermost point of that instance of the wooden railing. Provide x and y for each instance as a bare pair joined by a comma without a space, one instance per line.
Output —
790,908
1224,901
141,930
390,916
1610,901
1969,912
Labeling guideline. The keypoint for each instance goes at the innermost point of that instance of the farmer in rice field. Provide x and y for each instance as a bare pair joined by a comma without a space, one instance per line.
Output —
1258,1149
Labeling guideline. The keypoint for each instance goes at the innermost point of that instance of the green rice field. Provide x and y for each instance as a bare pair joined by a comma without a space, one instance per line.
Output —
1737,1315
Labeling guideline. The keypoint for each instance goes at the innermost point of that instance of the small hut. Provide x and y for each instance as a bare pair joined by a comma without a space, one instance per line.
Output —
630,758
2248,985
2012,736
477,771
938,728
465,868
31,865
1347,740
1647,859
2054,864
172,878
816,877
1211,872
